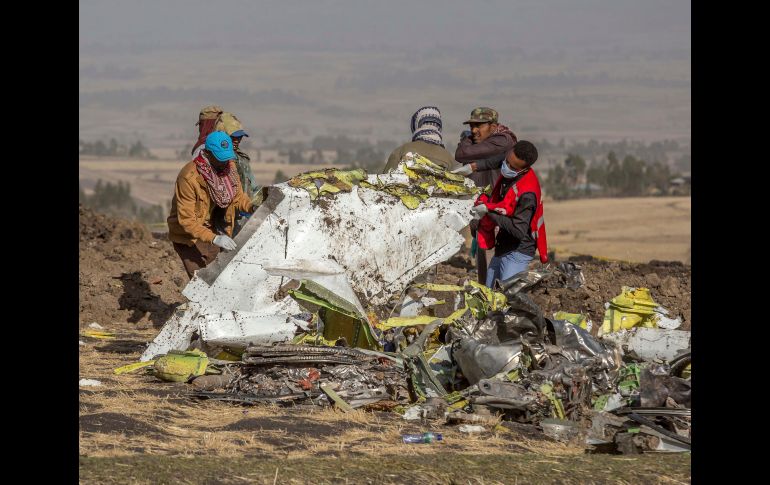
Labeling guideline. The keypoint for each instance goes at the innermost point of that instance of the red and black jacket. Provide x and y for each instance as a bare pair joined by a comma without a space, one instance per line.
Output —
526,184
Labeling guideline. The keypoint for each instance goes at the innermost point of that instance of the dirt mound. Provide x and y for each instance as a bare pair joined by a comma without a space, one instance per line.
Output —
95,227
668,281
128,278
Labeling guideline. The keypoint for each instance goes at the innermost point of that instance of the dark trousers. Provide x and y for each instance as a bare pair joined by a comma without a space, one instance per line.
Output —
196,257
483,257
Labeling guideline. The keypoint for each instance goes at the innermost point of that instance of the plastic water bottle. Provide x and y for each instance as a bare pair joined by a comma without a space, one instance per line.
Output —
421,438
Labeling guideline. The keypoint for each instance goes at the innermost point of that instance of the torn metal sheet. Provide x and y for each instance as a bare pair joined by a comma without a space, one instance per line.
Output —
573,275
522,282
651,343
479,360
578,344
656,387
363,245
560,429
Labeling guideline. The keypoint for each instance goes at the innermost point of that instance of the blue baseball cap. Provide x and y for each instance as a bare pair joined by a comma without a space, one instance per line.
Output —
219,143
238,133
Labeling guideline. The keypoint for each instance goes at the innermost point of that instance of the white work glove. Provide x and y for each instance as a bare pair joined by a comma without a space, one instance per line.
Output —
225,242
465,170
478,211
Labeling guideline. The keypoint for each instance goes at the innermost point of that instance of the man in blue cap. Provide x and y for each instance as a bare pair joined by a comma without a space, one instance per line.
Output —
207,194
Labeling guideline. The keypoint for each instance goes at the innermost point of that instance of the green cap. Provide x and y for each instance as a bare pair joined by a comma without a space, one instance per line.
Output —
482,115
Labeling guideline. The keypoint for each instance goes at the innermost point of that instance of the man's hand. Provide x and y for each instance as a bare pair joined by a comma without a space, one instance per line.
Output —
465,170
225,242
465,134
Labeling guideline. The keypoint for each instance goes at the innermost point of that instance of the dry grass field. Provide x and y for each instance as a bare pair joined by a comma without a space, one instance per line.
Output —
631,229
135,428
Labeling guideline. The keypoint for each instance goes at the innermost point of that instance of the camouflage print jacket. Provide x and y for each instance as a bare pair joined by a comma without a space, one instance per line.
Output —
248,182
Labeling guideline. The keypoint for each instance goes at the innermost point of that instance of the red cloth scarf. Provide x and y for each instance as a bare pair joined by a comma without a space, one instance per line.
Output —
221,185
205,127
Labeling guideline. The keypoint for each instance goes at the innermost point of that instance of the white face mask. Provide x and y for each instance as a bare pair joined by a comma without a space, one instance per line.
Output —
509,173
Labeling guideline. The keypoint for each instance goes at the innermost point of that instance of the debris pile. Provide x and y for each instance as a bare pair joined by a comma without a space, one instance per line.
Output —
295,321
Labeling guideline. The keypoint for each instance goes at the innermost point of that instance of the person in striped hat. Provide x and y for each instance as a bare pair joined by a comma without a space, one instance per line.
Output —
427,140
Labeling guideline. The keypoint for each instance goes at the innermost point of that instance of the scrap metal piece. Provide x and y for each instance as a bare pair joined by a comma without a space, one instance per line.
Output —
503,402
559,429
209,383
557,407
685,412
179,366
573,275
338,401
523,320
509,390
481,361
656,388
680,365
576,342
651,343
522,282
248,398
650,424
339,244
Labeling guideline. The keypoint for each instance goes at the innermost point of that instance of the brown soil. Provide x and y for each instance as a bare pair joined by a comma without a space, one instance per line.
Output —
668,281
126,274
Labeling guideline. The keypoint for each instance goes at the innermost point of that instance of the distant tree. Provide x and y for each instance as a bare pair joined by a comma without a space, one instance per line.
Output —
556,183
658,175
138,150
575,167
280,177
99,148
633,176
614,175
597,174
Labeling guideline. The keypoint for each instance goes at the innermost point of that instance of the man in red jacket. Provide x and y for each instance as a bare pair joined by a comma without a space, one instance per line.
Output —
522,232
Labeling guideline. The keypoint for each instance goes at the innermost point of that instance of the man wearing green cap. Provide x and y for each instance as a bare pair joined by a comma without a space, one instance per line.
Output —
482,150
231,125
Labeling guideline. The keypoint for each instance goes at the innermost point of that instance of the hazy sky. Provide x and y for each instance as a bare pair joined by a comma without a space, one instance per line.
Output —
410,24
573,68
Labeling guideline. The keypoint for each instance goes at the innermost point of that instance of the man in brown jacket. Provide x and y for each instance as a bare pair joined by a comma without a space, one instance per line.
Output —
207,194
482,150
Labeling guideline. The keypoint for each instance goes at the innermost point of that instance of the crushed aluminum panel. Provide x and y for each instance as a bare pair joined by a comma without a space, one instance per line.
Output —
651,343
243,329
479,361
175,334
378,243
